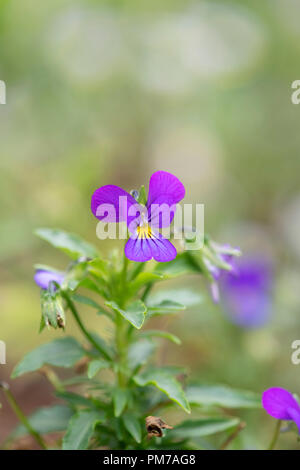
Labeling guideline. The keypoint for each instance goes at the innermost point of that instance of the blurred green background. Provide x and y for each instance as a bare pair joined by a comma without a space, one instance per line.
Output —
103,92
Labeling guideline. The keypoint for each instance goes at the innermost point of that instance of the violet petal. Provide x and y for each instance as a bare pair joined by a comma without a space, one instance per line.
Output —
279,402
43,278
165,191
112,204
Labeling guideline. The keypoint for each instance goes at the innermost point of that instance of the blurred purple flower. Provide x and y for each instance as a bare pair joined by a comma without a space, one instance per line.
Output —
112,204
246,292
280,404
226,255
44,277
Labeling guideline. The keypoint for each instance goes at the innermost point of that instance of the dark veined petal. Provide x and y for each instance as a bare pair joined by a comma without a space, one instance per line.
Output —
43,278
144,249
165,191
279,403
113,204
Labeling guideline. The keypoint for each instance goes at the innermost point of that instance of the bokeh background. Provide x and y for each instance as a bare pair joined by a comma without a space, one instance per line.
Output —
105,92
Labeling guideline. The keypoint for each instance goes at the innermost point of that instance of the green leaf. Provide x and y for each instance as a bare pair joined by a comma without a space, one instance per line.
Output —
74,284
221,395
95,366
80,430
139,352
133,426
184,263
161,334
98,267
50,419
203,427
74,399
86,301
91,303
166,382
120,399
70,243
62,352
164,308
183,296
134,313
145,278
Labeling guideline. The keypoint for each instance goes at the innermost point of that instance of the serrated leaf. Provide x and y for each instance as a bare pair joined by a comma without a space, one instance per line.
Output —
45,420
120,398
223,396
133,426
139,352
80,430
134,313
203,427
166,382
70,243
62,352
161,334
95,366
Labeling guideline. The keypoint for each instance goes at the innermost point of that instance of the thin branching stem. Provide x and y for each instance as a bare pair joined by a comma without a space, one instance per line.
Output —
20,415
275,435
82,327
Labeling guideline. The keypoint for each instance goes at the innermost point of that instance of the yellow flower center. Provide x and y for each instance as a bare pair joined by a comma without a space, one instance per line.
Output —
144,231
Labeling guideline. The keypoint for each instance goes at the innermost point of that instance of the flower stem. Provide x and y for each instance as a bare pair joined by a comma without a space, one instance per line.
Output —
275,435
20,415
122,329
147,291
82,327
121,346
53,378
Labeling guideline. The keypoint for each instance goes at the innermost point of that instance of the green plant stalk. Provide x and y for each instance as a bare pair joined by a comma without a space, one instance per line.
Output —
275,435
22,418
122,330
53,378
121,346
82,327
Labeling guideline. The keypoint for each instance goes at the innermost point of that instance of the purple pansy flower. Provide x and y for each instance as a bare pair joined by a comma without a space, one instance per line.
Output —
44,277
246,292
112,204
281,404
